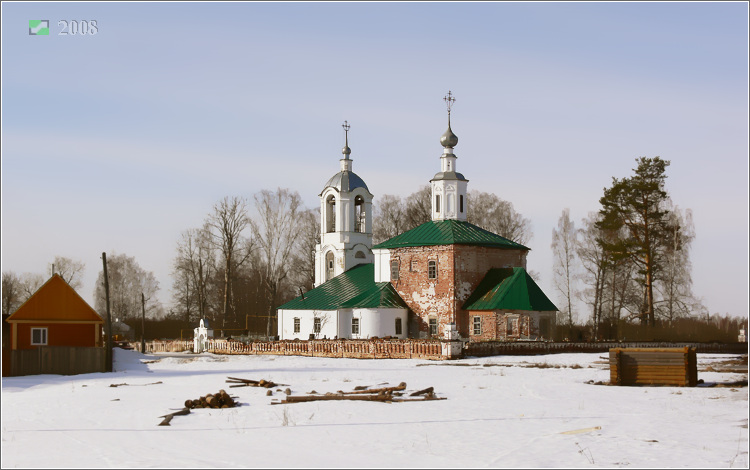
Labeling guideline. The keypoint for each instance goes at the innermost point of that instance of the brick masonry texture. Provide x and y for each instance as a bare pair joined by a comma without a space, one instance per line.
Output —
358,349
460,269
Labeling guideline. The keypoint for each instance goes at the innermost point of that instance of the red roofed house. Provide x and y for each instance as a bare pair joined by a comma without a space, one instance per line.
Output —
55,315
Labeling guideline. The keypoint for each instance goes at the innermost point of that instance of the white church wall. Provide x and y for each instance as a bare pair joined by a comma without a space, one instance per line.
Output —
379,322
306,318
382,259
351,255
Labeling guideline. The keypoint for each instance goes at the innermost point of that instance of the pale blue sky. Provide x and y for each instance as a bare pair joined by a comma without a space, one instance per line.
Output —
121,140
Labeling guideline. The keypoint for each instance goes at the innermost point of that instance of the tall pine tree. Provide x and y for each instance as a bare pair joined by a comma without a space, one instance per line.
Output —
636,208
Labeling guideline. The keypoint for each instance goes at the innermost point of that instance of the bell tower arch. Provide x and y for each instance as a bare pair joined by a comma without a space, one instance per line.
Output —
345,221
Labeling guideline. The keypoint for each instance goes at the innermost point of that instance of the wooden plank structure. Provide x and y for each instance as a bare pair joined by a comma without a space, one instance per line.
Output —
653,366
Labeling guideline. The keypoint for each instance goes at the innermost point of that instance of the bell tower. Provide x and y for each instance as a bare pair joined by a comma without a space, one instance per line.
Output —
449,186
345,221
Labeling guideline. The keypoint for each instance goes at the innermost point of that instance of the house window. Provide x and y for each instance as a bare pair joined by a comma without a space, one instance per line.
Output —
432,269
433,330
437,203
414,265
461,203
296,325
477,325
39,336
316,325
394,270
512,326
398,326
355,326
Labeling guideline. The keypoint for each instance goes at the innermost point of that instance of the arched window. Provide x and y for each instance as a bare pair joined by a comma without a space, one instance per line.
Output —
329,265
461,203
432,269
360,217
331,214
360,255
437,203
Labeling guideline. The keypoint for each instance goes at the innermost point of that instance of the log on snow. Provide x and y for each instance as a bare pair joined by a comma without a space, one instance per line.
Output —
399,387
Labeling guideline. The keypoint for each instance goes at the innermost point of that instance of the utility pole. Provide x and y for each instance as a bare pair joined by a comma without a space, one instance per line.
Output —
143,323
109,316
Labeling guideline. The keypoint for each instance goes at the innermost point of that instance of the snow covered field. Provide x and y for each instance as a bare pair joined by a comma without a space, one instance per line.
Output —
499,412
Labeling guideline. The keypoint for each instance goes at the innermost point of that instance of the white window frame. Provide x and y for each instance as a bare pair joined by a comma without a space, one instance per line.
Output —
355,326
43,339
296,324
432,269
430,322
477,325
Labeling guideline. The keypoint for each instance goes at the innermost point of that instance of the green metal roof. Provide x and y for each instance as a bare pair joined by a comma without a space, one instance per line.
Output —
355,288
508,289
449,232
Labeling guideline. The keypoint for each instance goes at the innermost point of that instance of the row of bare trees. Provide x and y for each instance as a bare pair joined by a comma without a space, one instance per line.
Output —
236,267
631,259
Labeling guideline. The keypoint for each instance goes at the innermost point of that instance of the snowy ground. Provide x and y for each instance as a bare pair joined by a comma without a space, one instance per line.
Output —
499,412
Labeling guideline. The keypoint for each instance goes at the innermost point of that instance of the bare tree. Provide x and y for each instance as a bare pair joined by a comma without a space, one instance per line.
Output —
30,283
71,271
564,267
194,266
389,219
227,222
675,282
594,263
127,282
419,207
304,257
12,292
277,233
489,212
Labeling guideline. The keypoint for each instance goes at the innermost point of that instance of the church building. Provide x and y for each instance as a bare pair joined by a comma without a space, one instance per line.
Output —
442,277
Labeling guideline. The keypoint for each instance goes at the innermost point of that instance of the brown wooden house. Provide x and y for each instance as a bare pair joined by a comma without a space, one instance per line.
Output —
55,315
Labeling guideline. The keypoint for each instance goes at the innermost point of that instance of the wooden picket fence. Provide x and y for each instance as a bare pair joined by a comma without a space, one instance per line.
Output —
63,360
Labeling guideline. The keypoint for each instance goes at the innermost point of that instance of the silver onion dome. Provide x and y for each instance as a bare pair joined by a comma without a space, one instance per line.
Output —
449,139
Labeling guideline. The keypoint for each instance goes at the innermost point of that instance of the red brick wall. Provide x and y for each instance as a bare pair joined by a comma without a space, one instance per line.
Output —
494,325
489,326
58,334
427,297
460,269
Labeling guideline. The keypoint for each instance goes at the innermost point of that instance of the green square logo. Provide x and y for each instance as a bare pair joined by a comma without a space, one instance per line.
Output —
38,27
